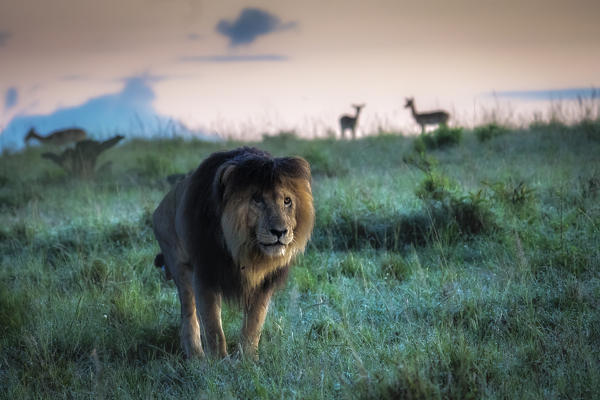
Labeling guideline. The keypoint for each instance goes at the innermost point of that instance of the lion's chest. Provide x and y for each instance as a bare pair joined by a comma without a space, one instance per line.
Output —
254,275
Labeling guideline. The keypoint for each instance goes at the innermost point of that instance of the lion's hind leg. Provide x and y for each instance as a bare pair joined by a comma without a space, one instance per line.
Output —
190,328
209,308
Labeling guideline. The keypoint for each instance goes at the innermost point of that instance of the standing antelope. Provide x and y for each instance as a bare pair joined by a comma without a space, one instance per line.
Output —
59,137
438,117
349,122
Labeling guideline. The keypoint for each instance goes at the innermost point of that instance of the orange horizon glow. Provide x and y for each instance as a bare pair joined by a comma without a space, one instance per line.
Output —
306,71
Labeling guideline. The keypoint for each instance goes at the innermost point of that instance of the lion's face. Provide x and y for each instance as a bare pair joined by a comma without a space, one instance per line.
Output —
272,219
268,226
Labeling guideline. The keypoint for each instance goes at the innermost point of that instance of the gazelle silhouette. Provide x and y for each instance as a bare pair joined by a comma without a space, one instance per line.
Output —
58,137
349,121
80,160
438,117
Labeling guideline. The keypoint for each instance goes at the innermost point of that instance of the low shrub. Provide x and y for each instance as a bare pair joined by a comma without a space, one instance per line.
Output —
466,213
394,266
435,187
511,193
489,131
442,137
420,160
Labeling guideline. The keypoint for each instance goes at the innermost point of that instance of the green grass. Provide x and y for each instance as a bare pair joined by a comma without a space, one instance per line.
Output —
471,271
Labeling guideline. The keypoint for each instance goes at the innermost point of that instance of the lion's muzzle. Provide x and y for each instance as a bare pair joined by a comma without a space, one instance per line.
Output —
276,243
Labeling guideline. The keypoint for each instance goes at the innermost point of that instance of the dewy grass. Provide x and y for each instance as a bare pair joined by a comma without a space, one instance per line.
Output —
396,296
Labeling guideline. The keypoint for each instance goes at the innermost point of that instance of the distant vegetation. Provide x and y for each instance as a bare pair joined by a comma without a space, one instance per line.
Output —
443,136
489,131
458,264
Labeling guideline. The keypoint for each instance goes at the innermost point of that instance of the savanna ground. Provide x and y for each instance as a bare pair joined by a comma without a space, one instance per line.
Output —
438,268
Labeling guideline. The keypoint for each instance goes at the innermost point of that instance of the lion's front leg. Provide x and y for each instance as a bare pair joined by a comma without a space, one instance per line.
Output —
209,310
254,317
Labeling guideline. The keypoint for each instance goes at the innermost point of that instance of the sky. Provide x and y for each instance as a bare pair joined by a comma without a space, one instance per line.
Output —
239,69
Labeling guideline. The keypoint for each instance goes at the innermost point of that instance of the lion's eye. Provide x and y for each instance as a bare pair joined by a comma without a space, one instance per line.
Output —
287,201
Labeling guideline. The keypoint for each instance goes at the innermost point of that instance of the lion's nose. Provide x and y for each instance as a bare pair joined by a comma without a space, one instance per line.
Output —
279,233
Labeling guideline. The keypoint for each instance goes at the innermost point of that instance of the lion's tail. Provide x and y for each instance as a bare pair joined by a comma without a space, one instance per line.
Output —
159,262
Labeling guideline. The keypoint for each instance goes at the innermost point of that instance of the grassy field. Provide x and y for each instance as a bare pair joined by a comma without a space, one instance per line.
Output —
458,265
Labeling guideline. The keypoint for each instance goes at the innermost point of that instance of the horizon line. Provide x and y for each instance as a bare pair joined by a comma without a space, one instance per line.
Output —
572,93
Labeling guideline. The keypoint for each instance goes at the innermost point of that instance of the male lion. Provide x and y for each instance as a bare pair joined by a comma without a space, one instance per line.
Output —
230,229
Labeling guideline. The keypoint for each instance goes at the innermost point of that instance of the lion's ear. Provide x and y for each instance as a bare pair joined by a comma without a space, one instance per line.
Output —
221,178
299,167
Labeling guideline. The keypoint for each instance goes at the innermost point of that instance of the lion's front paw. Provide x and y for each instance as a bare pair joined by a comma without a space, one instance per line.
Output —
248,351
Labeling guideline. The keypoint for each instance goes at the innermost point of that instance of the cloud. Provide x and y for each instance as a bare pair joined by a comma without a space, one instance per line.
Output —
11,97
4,36
235,58
129,111
251,23
549,94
